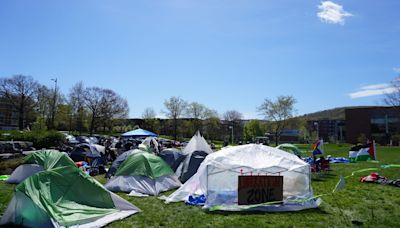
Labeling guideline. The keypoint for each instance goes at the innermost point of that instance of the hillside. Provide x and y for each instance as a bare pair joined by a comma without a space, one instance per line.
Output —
332,114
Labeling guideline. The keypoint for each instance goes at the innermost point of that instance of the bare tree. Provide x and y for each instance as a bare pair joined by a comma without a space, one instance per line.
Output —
148,113
20,91
92,98
393,98
76,99
175,107
112,106
234,117
43,105
198,112
150,121
279,112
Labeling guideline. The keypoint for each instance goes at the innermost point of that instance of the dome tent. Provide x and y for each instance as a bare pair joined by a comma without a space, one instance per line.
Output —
64,197
119,160
217,178
143,173
88,152
173,157
39,161
195,151
290,148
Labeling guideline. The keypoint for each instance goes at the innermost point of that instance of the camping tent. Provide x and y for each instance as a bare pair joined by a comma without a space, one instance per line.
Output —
217,178
173,157
64,196
139,133
150,144
290,148
119,160
88,152
143,173
195,151
38,161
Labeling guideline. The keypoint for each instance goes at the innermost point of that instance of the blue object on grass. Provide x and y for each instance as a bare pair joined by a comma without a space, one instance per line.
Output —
196,200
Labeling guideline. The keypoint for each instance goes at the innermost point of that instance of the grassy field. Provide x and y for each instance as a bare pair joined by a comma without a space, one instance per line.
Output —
358,204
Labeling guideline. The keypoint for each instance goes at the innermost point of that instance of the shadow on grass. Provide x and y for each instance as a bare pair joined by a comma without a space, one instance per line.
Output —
313,211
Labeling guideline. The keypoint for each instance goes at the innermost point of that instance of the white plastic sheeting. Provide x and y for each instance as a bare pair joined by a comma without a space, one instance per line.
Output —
143,185
217,177
24,171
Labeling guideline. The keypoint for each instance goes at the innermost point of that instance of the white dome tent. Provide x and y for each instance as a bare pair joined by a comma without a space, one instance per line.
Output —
217,178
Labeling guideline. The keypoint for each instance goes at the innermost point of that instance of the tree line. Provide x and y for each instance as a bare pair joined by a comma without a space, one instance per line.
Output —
95,109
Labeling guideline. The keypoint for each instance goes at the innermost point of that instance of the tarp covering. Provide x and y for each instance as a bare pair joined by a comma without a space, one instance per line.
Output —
144,164
49,159
66,196
139,133
217,177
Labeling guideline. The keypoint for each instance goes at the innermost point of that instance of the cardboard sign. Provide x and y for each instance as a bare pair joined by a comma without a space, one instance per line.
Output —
259,189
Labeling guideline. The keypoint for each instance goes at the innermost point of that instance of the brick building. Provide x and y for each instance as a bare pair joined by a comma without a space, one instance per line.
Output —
376,123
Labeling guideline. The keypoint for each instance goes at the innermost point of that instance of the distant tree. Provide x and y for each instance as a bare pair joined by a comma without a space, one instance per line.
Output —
234,118
150,121
279,112
93,97
112,106
252,129
42,107
76,100
149,113
20,91
175,108
393,98
197,112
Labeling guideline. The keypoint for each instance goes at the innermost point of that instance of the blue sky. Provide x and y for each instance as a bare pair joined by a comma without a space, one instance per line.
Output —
224,54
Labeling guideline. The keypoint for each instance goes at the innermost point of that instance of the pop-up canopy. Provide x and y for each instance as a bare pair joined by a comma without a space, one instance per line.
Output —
139,133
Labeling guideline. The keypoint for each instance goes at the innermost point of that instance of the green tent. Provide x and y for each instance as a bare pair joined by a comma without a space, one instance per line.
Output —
290,148
39,161
49,159
143,173
64,196
144,164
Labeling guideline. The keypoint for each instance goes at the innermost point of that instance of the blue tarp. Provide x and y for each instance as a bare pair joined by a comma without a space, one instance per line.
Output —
139,133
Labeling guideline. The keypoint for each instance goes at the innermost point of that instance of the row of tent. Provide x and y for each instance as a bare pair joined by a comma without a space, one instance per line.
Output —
57,193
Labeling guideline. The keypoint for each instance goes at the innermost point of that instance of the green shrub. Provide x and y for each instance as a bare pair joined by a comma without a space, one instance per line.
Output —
40,139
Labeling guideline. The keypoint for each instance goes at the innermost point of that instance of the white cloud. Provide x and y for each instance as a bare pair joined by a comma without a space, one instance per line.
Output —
373,90
396,69
332,13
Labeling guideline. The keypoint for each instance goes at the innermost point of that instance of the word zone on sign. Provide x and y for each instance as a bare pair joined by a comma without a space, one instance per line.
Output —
259,189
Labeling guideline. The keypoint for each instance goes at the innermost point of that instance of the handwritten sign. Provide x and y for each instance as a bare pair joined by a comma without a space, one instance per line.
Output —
259,189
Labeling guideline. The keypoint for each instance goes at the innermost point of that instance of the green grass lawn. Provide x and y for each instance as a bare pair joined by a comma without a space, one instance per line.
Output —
370,205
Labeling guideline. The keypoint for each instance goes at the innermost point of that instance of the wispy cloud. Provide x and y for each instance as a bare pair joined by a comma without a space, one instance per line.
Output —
373,90
396,69
332,13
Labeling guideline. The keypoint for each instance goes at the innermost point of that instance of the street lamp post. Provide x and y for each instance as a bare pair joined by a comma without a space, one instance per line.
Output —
316,124
231,127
